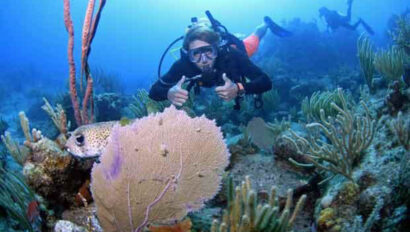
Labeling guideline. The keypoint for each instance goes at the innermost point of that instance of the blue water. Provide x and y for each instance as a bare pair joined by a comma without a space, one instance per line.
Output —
133,34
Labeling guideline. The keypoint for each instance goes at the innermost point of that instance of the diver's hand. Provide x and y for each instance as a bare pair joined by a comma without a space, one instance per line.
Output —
177,95
228,91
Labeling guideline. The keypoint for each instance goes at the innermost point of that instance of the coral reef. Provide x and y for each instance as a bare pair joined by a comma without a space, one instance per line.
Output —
244,213
359,226
402,130
264,172
84,217
327,221
67,226
243,146
285,150
183,226
401,35
395,100
106,82
157,169
15,199
348,134
48,170
108,107
264,135
311,107
368,203
366,59
59,118
270,100
390,63
19,153
142,105
3,126
339,215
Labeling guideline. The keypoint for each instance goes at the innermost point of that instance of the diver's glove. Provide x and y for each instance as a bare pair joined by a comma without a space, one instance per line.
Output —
228,91
177,95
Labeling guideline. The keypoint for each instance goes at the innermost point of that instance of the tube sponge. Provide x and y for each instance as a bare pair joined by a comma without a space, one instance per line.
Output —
158,169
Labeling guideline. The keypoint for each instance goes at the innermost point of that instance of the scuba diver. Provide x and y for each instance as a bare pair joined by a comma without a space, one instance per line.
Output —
335,20
212,57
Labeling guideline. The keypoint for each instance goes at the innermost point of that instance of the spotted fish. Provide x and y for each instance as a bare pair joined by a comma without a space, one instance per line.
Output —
89,140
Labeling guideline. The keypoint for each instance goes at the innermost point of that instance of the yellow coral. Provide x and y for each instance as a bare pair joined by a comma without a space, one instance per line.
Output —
348,194
244,213
326,215
327,221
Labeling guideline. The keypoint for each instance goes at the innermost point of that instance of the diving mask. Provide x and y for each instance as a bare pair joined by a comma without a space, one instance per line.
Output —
205,52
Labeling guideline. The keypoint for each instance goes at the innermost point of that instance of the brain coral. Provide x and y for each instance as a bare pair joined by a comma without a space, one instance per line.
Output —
158,169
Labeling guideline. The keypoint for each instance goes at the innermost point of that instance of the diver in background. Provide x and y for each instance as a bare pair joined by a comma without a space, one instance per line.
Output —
335,20
207,62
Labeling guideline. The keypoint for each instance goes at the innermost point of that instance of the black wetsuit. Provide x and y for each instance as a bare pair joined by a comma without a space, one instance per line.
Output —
334,20
231,61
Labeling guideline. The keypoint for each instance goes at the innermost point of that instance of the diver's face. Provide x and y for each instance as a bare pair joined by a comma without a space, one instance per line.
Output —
204,60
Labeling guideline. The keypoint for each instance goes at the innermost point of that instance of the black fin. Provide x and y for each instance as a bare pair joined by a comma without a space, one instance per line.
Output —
275,28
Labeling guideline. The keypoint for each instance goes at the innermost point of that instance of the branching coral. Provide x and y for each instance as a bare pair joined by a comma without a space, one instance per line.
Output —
245,214
390,63
312,106
366,59
402,130
143,105
3,126
15,197
25,126
57,115
105,82
47,168
17,152
270,100
348,136
401,35
358,225
20,153
277,127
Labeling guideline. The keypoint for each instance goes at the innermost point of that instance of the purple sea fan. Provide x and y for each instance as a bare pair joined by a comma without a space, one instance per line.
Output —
116,163
146,185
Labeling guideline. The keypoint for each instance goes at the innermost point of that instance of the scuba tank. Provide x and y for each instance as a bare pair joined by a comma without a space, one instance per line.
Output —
227,38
